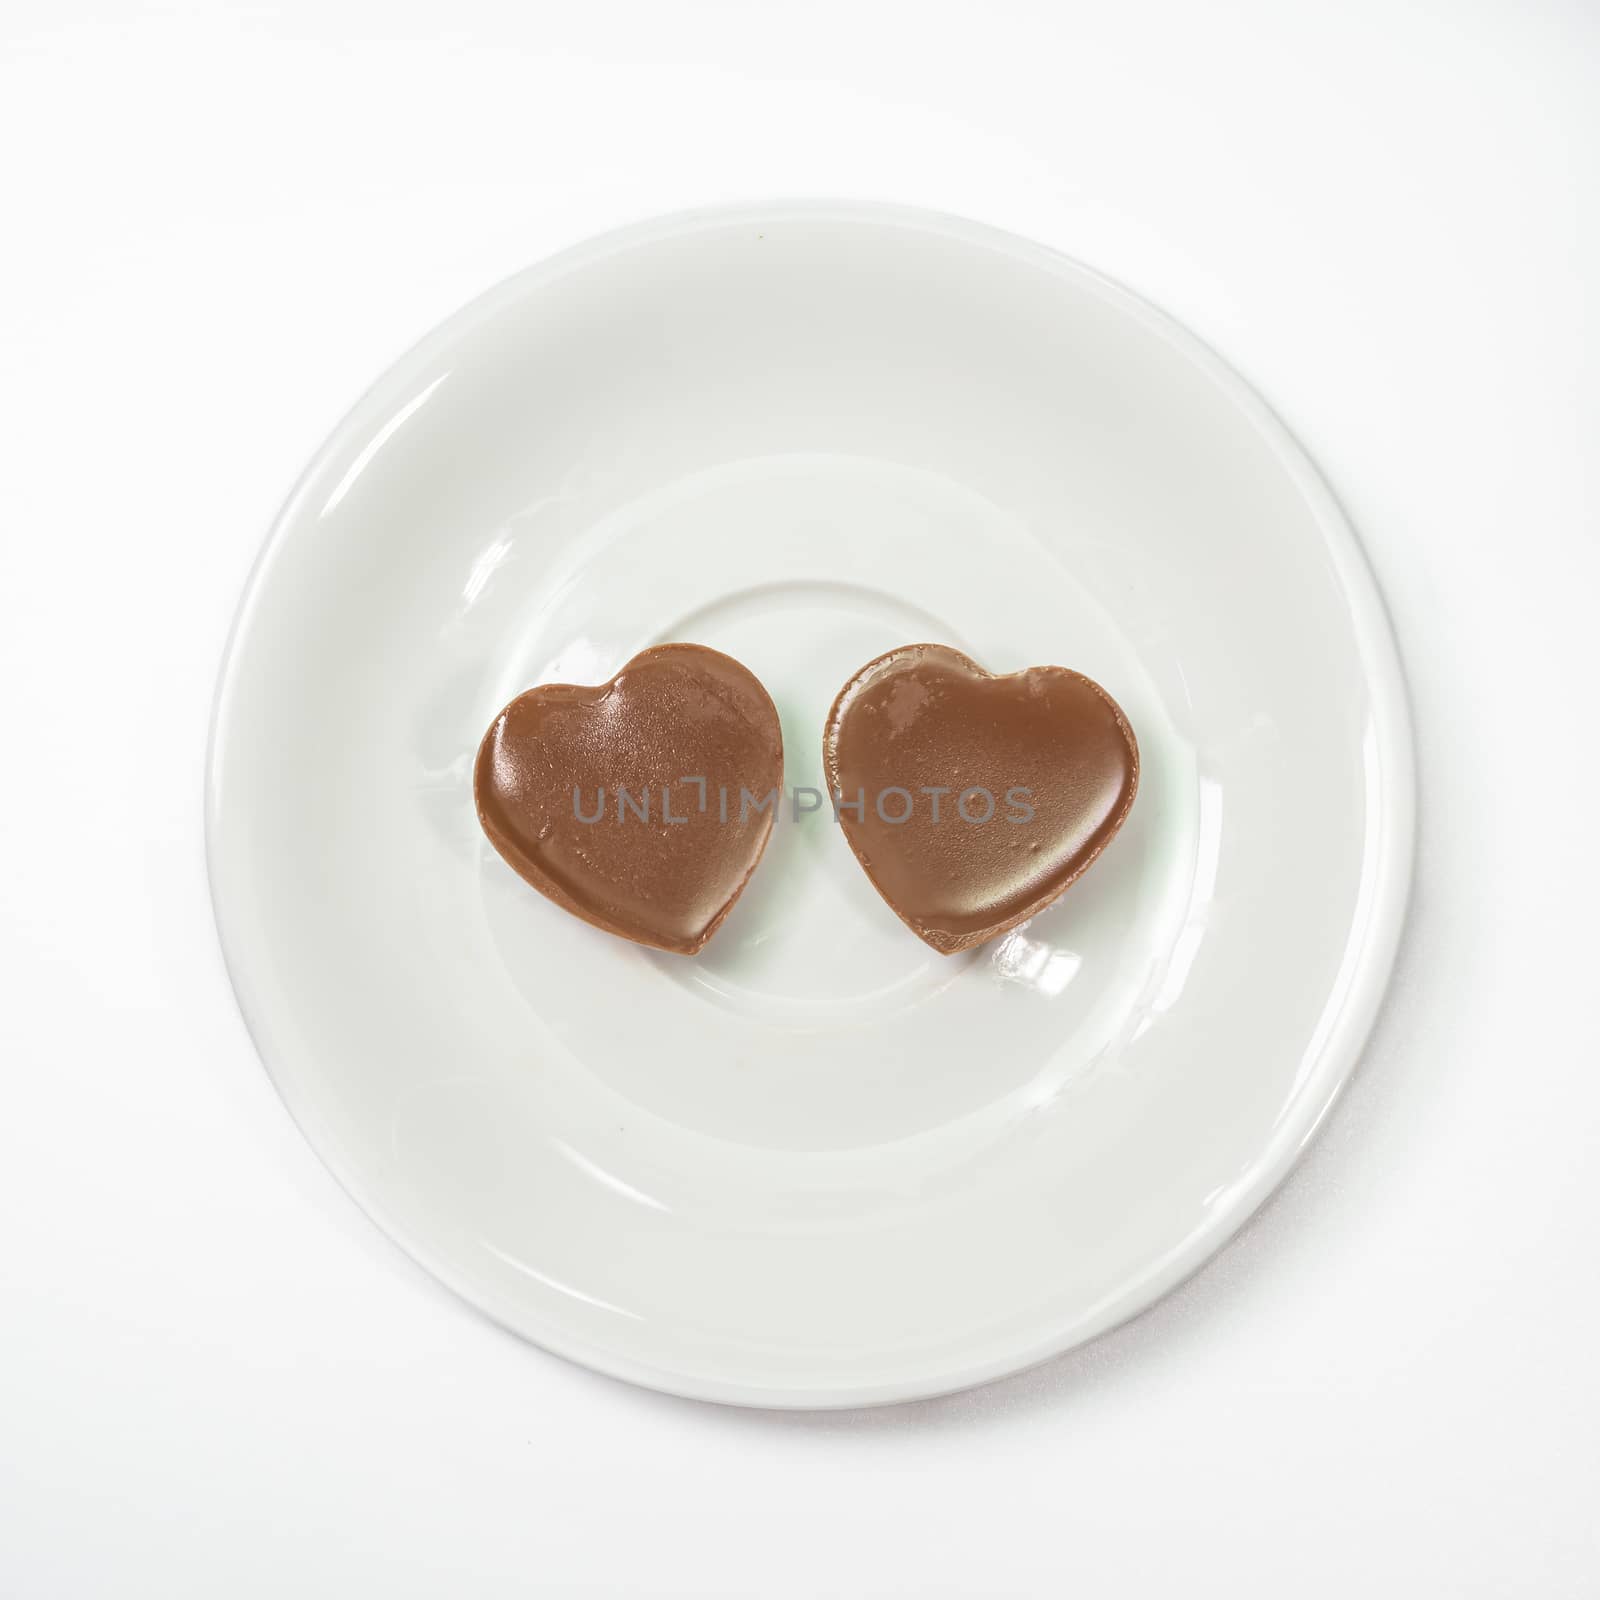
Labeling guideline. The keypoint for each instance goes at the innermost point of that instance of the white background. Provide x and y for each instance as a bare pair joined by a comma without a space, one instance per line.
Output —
219,222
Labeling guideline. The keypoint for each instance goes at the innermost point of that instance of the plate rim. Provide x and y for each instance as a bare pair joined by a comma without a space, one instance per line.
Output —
1375,948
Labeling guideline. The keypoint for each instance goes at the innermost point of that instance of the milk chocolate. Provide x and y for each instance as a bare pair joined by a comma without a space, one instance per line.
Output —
974,800
625,802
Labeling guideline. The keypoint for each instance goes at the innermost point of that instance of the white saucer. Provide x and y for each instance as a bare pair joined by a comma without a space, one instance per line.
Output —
820,1165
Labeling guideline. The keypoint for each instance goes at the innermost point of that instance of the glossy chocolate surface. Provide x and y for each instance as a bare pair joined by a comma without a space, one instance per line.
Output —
581,789
917,729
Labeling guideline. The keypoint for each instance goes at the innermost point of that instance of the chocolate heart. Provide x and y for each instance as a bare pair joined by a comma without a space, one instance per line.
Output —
641,805
973,800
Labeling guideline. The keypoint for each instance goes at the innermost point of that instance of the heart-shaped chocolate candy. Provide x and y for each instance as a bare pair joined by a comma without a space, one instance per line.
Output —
626,802
973,800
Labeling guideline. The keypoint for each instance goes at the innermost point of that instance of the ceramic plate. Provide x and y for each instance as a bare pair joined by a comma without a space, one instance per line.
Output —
819,1165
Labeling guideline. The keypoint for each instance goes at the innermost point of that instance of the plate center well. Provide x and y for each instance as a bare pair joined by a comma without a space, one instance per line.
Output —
819,1020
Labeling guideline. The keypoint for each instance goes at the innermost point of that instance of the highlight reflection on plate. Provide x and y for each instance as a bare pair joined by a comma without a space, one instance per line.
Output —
820,1165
